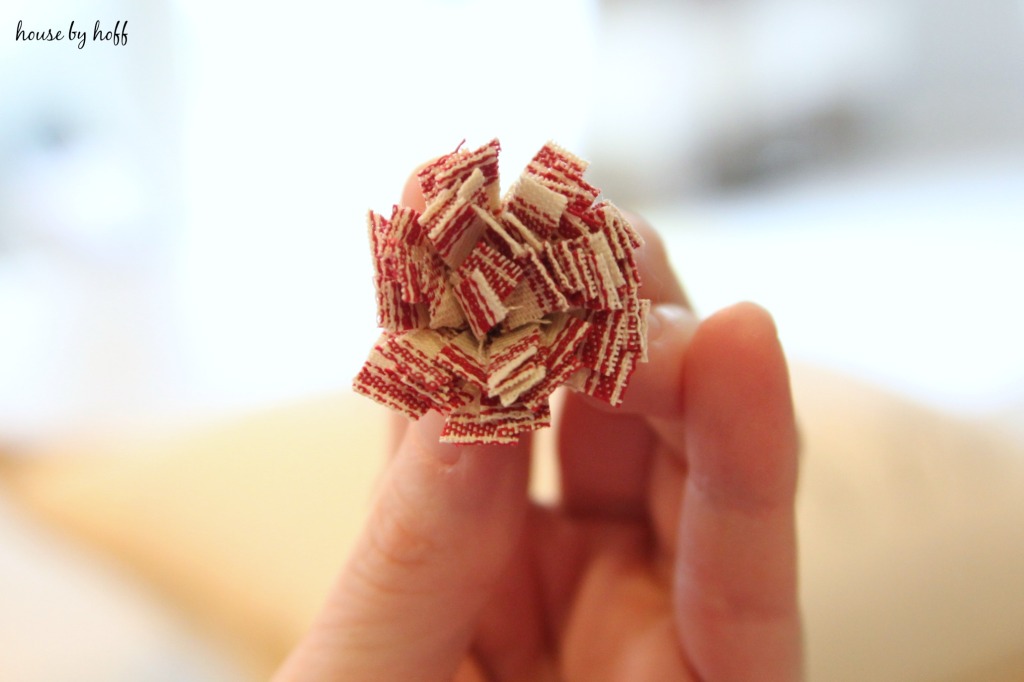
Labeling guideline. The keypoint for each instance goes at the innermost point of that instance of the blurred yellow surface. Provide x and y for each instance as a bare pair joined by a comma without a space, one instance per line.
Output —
912,525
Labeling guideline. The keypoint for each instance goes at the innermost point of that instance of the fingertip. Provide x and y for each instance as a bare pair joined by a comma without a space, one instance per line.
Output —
412,195
425,432
746,323
736,354
467,476
659,282
737,399
669,323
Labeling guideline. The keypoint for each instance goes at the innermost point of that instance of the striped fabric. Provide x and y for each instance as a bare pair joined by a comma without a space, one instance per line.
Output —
488,304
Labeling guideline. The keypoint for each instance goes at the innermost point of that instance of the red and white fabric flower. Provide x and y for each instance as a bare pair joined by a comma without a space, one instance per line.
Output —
489,304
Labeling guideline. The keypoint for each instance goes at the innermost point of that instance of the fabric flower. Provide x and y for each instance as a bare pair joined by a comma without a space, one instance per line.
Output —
489,303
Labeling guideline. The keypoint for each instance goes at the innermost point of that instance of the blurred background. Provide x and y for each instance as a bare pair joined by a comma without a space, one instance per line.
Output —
182,217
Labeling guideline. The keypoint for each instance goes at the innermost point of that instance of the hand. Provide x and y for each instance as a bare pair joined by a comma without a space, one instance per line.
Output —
671,554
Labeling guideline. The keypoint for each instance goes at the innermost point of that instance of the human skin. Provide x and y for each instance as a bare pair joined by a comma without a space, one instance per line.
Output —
670,554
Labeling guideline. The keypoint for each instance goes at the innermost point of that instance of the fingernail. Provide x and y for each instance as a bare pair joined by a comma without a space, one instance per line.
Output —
665,315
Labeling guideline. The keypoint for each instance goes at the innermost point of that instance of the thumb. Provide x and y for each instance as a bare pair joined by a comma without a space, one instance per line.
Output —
443,525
